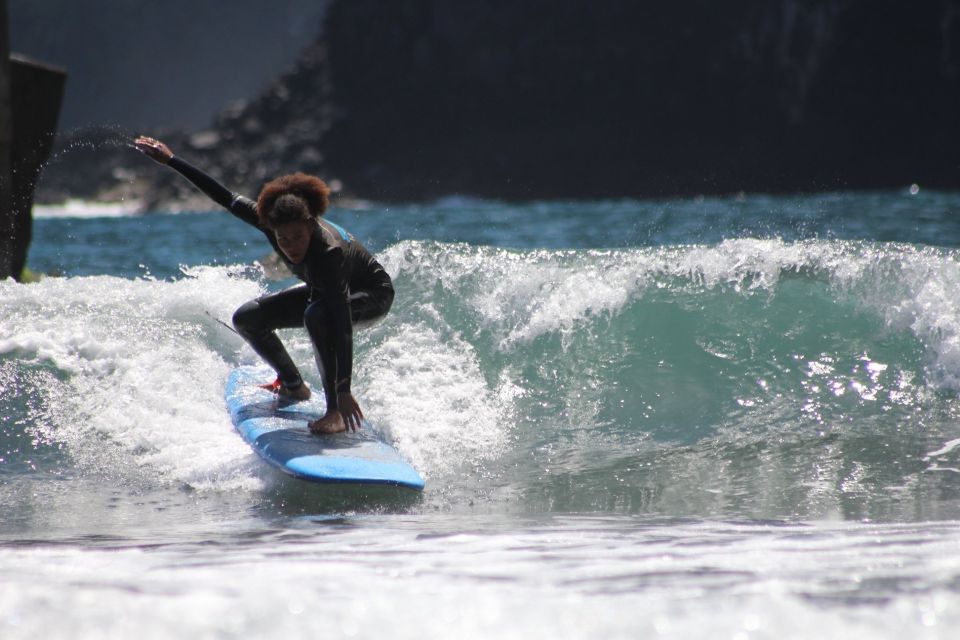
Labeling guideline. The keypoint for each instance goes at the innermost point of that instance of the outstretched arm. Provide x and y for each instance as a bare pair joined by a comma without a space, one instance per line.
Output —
239,206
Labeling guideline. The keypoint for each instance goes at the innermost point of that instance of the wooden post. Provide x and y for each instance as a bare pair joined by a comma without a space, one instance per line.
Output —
30,98
36,95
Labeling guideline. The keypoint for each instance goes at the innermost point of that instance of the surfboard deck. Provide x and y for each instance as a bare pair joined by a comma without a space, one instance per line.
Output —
277,430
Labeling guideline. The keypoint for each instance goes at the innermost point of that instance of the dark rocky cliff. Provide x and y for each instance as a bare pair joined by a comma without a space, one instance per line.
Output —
599,98
606,98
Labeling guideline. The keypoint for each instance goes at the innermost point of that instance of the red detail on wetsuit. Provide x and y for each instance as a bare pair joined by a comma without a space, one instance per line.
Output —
273,386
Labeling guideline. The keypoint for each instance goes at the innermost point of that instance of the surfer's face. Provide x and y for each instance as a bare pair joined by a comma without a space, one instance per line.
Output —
293,238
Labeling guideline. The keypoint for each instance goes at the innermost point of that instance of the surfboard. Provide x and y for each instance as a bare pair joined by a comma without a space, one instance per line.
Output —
277,430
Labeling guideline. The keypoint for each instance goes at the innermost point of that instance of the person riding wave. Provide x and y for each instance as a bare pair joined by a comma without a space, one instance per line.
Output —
343,287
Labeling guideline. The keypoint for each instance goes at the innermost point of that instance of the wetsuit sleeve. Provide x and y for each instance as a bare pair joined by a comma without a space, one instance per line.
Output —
332,274
240,206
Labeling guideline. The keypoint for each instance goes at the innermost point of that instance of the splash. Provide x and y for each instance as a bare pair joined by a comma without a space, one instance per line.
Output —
140,367
91,163
95,137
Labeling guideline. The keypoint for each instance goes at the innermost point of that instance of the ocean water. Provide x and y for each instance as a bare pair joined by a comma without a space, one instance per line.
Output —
691,418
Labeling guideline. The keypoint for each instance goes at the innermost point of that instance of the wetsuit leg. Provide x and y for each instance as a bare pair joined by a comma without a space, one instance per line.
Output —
257,320
319,327
369,306
366,307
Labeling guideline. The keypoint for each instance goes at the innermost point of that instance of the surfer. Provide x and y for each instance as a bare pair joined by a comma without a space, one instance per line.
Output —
343,285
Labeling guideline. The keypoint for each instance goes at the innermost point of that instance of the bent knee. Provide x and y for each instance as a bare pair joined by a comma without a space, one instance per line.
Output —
247,317
314,315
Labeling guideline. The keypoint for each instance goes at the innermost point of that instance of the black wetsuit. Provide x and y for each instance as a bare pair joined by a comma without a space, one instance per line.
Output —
344,286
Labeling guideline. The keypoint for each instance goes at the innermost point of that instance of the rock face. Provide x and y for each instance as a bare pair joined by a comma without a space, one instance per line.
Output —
278,132
605,98
281,131
162,64
546,98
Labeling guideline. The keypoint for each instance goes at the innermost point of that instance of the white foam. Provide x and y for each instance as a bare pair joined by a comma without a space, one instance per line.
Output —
144,368
606,579
523,295
945,449
88,209
430,398
557,296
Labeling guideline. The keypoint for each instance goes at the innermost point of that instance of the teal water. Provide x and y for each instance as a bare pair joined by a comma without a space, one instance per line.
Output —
694,418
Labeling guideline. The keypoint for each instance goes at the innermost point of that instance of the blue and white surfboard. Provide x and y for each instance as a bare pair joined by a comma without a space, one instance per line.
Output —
277,430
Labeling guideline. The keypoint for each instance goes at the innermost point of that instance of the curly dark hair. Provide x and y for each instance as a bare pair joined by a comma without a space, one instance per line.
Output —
292,197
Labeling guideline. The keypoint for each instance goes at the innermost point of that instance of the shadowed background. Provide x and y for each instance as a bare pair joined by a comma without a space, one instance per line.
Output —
522,100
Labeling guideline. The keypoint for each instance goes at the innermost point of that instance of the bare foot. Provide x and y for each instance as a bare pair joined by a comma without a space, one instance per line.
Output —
301,392
330,423
297,393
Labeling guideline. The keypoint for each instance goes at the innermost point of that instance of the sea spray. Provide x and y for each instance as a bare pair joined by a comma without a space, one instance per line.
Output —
94,137
91,164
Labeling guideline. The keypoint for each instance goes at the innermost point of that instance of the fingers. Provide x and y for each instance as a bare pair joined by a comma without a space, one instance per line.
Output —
145,142
153,148
350,411
353,418
358,416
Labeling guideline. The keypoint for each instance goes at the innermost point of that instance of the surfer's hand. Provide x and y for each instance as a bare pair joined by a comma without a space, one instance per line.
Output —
350,410
154,149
